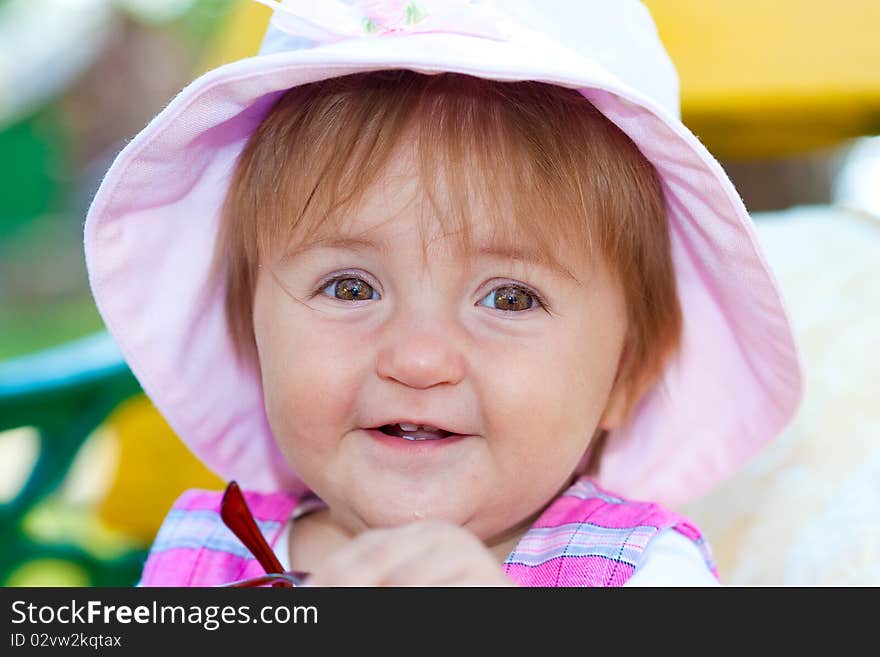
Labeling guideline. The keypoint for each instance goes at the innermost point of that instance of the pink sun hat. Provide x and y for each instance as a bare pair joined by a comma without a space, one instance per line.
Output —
150,232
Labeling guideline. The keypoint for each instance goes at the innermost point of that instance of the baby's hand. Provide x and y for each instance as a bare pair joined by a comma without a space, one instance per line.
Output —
424,553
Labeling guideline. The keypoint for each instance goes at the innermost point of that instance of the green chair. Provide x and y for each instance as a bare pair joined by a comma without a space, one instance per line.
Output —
64,393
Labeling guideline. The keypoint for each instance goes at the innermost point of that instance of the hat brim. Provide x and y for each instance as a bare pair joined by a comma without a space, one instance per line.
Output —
149,240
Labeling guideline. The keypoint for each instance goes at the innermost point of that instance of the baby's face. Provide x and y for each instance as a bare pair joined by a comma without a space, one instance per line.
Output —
362,335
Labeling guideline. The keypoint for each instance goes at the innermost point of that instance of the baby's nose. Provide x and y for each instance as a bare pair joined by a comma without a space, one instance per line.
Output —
421,358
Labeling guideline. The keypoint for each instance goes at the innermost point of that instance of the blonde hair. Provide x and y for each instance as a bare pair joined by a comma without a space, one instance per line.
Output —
536,153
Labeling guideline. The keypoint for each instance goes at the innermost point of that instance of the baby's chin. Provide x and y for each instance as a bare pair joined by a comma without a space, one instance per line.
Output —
385,505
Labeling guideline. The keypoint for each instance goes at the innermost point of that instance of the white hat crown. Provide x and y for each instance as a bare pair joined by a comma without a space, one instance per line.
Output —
619,36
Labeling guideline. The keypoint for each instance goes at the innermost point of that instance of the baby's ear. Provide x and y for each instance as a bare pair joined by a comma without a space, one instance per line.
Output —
617,407
629,385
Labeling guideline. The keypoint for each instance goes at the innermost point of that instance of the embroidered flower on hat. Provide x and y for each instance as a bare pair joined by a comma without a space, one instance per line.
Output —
383,16
328,21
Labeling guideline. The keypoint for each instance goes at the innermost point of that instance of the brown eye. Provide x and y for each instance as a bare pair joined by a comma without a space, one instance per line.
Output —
351,289
509,297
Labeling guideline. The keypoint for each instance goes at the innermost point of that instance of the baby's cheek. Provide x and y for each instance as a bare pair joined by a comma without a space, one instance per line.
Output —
544,416
525,391
314,393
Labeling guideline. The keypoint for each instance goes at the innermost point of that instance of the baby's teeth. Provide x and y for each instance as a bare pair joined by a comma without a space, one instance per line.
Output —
428,427
408,427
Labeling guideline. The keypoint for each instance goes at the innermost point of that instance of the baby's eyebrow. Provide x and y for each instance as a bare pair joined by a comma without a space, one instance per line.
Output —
336,242
533,256
501,252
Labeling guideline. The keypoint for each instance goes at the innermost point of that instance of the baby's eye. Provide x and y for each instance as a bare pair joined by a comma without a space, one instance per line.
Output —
509,297
350,288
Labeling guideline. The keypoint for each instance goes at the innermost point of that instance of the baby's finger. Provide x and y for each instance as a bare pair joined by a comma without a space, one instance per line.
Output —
427,568
447,563
368,559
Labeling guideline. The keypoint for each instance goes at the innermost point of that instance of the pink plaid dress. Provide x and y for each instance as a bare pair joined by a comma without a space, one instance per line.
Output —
586,537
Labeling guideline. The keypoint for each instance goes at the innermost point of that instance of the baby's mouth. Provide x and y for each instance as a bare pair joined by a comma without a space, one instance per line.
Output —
415,431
